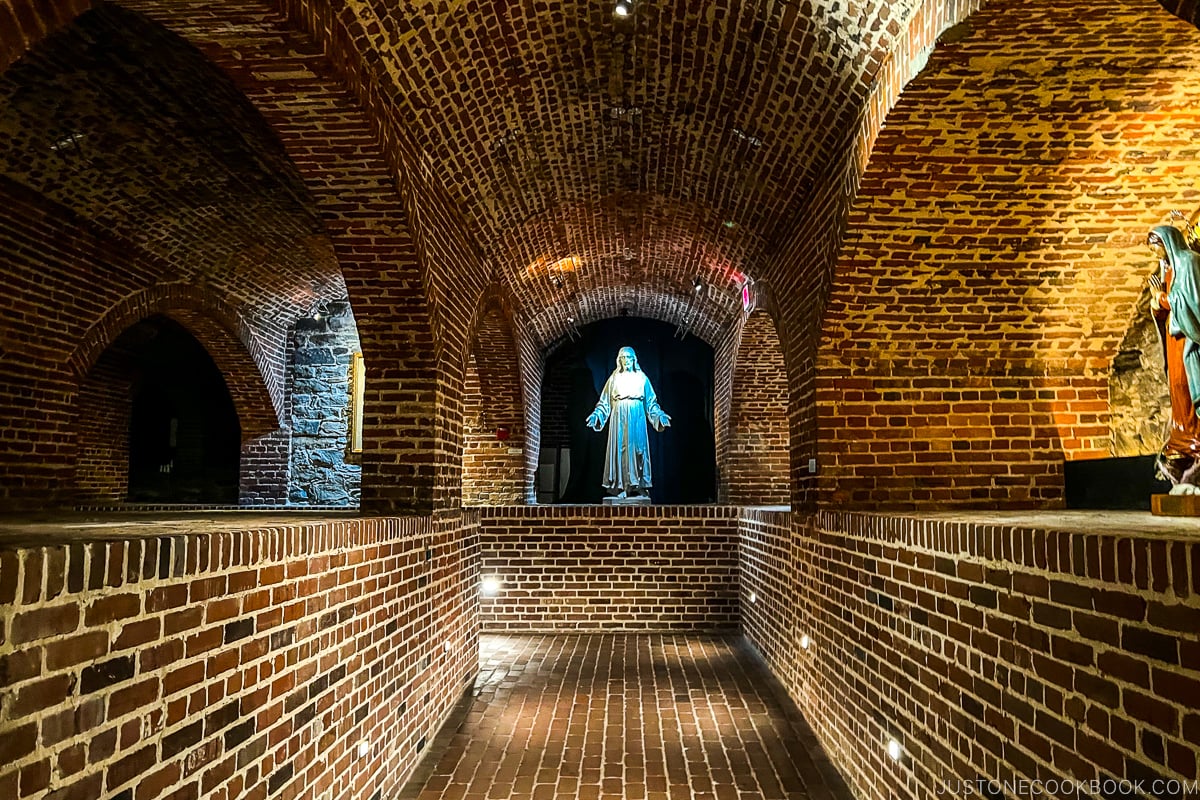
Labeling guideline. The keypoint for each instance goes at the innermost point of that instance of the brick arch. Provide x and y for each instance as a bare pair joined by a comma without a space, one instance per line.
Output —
222,331
905,57
495,389
350,168
338,152
986,281
24,25
753,439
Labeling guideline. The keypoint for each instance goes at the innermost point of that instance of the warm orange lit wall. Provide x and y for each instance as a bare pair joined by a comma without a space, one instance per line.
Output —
995,252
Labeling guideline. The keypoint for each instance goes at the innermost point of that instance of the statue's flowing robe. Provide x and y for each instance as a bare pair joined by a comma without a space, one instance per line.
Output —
1179,328
627,403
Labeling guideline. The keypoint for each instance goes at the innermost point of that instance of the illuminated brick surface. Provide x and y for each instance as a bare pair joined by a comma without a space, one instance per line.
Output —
651,717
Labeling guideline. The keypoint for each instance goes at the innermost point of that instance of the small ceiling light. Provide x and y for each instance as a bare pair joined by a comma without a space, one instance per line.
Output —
624,8
697,284
754,597
894,750
805,641
490,586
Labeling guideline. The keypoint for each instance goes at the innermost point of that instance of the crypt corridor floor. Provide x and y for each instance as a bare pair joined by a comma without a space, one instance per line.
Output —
642,716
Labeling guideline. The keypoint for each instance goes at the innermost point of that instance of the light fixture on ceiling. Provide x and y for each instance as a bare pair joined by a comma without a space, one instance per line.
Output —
623,8
698,285
319,311
68,145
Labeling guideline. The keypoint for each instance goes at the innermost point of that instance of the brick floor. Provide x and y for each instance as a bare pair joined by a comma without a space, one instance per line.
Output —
647,717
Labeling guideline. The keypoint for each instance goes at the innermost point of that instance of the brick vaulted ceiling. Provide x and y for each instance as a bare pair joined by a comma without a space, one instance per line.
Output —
600,163
603,163
129,127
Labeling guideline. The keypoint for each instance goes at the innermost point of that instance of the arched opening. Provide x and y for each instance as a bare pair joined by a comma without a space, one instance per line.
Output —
757,441
681,372
157,422
493,471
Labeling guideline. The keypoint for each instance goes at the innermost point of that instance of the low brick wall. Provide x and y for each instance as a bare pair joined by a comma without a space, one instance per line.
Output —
989,651
234,664
595,568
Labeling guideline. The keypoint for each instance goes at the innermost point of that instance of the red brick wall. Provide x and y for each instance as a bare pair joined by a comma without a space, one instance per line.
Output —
593,568
989,650
50,255
263,470
724,356
103,408
235,663
768,586
756,469
995,251
493,467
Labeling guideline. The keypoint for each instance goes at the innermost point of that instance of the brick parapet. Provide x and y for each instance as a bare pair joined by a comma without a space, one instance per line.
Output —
237,661
596,568
1041,653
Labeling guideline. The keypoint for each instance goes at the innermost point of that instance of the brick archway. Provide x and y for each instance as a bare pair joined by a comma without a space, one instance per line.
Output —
495,435
230,342
352,181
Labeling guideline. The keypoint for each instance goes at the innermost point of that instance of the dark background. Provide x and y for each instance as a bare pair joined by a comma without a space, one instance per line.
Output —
683,457
176,379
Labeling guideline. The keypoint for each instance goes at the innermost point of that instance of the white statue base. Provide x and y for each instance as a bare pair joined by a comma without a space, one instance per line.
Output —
640,500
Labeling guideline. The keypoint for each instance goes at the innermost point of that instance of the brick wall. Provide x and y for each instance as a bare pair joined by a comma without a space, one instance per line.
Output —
724,357
995,253
756,470
263,470
234,663
493,470
988,650
532,374
48,255
593,568
102,422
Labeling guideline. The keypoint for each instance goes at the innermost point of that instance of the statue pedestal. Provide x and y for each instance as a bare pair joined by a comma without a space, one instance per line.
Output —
1175,505
640,500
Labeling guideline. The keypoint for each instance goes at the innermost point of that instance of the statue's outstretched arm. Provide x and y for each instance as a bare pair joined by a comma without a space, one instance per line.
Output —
654,413
603,408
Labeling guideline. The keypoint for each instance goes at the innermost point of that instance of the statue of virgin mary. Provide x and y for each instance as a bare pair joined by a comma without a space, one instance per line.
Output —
627,403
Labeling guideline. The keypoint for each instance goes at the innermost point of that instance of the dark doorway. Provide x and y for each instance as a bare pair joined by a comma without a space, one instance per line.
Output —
681,371
184,436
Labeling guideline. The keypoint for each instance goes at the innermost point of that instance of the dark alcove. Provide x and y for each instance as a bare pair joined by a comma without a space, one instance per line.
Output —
184,436
681,371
